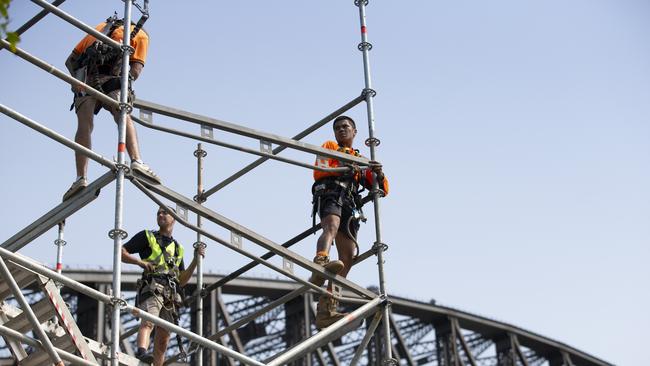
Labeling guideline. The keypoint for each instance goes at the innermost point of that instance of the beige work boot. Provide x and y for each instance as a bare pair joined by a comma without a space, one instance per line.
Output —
326,313
333,267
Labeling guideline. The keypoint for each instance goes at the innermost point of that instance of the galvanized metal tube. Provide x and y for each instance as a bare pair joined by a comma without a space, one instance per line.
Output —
278,149
248,132
313,342
200,154
35,19
72,20
59,242
56,137
118,233
10,333
31,317
372,141
60,74
366,339
240,148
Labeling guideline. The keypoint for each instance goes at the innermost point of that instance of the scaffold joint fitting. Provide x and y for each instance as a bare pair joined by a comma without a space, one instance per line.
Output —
116,301
373,141
127,48
390,362
123,167
379,246
200,198
364,46
123,234
200,152
199,244
359,2
369,91
60,242
126,106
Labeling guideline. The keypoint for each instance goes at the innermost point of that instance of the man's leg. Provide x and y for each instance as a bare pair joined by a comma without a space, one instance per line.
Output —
144,335
85,109
345,248
132,146
330,224
160,341
83,136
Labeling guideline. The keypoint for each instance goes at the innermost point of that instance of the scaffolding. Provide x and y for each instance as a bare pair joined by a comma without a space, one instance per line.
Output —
17,270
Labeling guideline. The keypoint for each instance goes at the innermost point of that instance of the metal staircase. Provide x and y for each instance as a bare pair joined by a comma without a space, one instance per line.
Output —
55,319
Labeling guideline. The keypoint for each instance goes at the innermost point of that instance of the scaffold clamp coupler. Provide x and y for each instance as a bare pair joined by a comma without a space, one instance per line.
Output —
364,46
390,362
378,245
369,91
118,301
123,167
359,2
127,48
200,152
199,244
373,141
127,107
200,198
60,242
123,234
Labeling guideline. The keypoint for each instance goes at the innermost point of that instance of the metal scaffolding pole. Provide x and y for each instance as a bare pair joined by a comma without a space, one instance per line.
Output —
200,154
118,234
60,243
35,19
372,143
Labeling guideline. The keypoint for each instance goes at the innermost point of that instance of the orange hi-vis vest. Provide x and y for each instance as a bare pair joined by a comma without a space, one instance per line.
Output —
366,178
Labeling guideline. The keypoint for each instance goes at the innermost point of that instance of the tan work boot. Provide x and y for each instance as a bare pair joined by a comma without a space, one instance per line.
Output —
333,267
326,313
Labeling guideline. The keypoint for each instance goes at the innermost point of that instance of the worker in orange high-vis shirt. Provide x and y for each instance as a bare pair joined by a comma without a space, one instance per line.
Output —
338,203
99,65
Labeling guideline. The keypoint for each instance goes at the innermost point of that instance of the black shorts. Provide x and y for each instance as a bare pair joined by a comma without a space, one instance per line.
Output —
329,205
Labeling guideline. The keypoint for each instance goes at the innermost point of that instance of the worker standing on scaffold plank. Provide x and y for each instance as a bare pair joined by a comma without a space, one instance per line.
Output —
160,288
337,200
99,65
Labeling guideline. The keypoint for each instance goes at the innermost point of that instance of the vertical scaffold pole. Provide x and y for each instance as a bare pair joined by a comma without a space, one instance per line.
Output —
200,154
372,142
60,243
118,234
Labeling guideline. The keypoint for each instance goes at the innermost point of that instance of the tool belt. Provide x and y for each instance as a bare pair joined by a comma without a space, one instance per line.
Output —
343,191
163,287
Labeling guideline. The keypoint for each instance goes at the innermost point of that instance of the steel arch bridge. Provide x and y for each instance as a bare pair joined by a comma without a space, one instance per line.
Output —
422,333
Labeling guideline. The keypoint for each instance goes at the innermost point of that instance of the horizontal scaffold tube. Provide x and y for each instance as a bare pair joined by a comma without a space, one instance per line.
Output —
278,149
61,75
248,132
239,148
57,137
72,20
37,268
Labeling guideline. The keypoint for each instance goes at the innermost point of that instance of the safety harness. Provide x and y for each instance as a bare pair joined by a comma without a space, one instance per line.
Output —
345,190
100,60
162,283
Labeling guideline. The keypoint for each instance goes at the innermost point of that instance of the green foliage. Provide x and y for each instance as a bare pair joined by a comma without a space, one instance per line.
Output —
11,37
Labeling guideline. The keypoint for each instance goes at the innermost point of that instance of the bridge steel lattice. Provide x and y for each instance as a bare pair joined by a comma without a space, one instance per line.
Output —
422,333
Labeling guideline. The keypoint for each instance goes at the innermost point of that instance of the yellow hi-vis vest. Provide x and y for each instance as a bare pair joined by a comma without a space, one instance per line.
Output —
166,262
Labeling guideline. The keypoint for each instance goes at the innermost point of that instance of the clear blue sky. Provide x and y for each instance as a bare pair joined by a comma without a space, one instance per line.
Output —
515,134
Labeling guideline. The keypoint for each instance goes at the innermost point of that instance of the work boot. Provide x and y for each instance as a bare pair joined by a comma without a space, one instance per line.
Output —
326,313
143,170
144,356
333,267
76,187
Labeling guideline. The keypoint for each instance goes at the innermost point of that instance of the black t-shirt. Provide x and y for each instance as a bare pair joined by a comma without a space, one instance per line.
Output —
140,245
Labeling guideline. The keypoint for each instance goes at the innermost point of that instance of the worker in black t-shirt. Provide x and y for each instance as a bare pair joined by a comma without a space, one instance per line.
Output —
164,274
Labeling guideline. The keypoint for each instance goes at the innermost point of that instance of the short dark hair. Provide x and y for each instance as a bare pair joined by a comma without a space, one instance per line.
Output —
161,208
343,118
